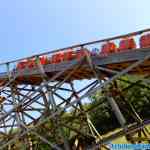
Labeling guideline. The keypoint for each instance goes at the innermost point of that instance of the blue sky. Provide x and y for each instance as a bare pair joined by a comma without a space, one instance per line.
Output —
32,26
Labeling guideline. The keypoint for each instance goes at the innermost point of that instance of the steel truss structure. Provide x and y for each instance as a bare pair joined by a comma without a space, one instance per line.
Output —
47,102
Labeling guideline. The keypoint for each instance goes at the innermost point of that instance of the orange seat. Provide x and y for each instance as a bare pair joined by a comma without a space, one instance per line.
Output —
145,41
69,55
57,58
109,47
127,43
43,60
21,65
31,63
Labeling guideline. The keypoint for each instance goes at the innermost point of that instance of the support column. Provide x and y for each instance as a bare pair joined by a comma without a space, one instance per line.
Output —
116,110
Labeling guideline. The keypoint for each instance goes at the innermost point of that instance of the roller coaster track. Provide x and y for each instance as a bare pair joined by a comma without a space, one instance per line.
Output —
30,99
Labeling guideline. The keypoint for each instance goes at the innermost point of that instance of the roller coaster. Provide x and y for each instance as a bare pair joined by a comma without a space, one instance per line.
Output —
44,87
